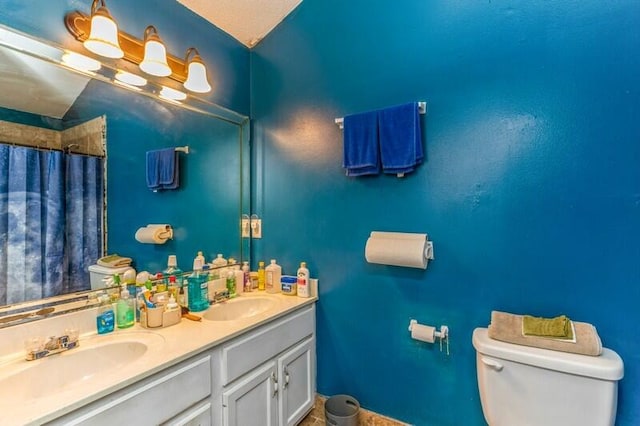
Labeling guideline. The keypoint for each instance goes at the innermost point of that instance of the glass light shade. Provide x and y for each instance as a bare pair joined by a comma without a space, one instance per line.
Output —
197,78
172,94
132,79
80,62
155,59
103,37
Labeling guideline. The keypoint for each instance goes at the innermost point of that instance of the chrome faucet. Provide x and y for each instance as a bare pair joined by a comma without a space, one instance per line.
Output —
220,296
36,349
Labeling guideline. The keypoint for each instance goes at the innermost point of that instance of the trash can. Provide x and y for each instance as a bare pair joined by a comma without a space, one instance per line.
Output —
341,410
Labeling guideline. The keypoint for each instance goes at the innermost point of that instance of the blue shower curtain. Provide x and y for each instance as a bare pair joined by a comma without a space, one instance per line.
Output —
51,207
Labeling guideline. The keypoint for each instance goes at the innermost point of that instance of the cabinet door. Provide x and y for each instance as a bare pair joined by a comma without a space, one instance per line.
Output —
296,369
252,401
198,415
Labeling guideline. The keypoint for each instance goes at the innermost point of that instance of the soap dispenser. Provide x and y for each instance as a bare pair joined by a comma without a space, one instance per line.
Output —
125,309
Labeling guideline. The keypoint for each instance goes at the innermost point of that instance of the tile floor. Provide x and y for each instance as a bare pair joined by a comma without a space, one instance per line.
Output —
366,418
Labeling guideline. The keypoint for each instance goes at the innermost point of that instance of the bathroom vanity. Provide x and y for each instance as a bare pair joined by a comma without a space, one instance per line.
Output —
253,370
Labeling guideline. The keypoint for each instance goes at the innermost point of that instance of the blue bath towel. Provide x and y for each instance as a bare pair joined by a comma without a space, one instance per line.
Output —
361,153
162,169
400,138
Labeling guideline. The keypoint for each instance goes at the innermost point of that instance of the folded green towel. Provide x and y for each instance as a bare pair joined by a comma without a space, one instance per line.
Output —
548,327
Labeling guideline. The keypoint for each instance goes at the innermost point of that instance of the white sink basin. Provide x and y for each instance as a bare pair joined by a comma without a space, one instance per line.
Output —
97,355
239,308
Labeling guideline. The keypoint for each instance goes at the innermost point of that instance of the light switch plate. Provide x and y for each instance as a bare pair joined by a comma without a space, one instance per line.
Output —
256,228
246,230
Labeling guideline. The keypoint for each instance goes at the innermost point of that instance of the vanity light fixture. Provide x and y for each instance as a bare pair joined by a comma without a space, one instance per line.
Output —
155,54
80,62
196,73
131,79
103,37
172,94
149,54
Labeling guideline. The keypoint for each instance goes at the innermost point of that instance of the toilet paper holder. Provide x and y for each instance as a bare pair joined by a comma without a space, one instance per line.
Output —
440,335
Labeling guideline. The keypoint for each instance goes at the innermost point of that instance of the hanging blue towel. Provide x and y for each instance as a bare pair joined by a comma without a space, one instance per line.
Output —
400,138
361,153
163,169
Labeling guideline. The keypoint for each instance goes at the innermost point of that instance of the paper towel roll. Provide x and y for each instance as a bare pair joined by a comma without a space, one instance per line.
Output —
397,249
153,234
424,333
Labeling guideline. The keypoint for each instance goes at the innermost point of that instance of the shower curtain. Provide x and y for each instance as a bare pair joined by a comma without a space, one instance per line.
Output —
51,206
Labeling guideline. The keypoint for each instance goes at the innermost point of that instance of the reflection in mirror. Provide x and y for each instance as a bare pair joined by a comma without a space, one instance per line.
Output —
204,211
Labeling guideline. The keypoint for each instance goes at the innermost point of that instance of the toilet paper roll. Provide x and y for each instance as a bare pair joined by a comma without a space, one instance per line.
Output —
397,249
157,234
424,333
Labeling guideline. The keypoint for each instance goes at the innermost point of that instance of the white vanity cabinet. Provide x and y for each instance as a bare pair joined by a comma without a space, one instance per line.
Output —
265,377
268,375
176,396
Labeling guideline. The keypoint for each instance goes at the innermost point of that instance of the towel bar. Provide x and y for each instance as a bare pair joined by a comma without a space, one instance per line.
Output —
422,109
184,149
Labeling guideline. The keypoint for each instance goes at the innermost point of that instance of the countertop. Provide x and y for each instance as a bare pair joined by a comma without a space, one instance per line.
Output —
167,347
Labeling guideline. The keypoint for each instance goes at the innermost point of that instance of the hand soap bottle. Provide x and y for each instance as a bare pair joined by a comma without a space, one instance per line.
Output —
125,310
105,318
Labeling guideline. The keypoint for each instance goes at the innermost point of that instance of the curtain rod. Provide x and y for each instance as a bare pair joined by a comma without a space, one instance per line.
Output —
65,150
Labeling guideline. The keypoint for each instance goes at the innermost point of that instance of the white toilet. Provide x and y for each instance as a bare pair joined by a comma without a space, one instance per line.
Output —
526,386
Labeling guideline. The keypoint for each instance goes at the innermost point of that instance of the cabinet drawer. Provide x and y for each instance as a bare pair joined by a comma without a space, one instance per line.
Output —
152,400
248,352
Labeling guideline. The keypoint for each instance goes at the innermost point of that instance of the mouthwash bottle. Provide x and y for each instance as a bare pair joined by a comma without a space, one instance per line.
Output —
198,288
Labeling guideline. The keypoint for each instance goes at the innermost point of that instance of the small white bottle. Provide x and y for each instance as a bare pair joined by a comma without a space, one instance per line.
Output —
273,273
303,280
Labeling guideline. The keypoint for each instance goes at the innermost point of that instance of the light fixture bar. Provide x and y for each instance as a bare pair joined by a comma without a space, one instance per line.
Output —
79,25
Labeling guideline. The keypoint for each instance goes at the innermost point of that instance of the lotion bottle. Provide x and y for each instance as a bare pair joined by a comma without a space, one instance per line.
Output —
303,280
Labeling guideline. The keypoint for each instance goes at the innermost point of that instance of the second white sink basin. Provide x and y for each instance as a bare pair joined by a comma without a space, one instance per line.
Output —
239,308
95,356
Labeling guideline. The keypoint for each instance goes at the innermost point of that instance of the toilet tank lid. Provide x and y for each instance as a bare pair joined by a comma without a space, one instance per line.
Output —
607,366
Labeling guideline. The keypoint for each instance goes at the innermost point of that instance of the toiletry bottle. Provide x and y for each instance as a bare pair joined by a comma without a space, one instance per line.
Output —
172,269
200,257
261,276
218,264
231,283
173,287
198,290
303,280
273,272
246,276
125,310
105,319
182,297
171,304
161,283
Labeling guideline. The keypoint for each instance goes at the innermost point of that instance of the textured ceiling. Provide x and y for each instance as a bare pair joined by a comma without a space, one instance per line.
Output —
249,21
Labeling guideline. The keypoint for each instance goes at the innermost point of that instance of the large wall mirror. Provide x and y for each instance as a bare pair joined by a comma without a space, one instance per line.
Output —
45,99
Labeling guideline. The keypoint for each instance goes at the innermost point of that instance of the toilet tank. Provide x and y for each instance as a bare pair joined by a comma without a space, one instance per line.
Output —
527,386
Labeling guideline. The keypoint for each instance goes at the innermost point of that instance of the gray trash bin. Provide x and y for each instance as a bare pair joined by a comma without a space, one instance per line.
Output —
341,410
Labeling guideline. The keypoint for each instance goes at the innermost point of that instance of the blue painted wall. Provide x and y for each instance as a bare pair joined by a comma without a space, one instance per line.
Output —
204,211
530,189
